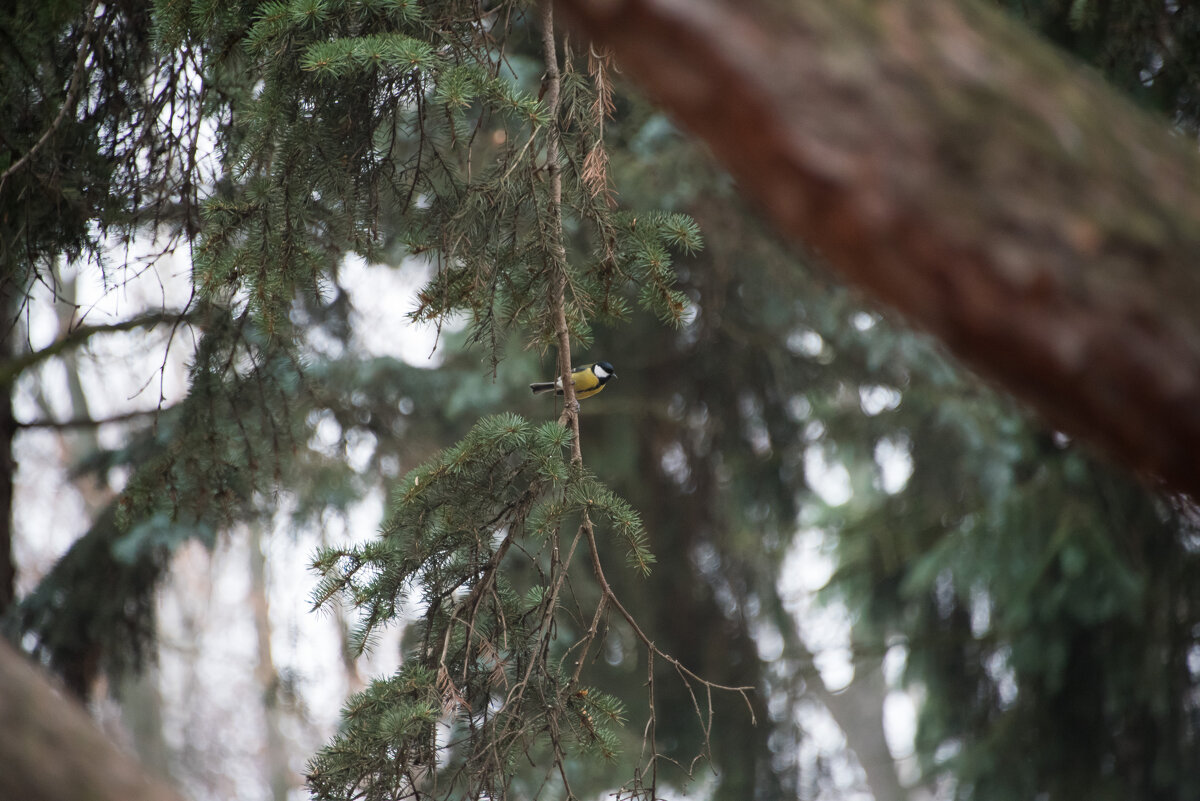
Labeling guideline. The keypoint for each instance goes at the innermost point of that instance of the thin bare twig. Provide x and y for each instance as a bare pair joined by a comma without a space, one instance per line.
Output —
557,253
91,422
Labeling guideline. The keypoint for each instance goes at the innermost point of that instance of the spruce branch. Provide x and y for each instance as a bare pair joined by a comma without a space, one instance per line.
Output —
73,89
556,253
490,664
594,177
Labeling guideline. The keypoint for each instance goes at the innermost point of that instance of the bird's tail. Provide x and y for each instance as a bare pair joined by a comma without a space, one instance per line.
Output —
542,386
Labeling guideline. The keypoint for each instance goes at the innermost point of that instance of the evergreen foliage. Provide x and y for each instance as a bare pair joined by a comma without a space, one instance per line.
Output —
99,134
389,129
1046,606
404,112
486,673
1035,603
1149,50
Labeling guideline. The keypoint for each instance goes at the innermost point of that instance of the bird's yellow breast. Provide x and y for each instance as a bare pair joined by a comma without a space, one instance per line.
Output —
586,383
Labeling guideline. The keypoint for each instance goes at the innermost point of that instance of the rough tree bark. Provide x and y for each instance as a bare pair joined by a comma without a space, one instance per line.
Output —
965,173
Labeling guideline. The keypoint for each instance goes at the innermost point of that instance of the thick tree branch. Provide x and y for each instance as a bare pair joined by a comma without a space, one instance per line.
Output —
12,369
961,170
52,751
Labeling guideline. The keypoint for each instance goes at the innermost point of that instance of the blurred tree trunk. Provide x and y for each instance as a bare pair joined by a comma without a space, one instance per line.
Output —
8,432
76,445
858,711
951,162
278,772
142,714
10,304
51,750
354,679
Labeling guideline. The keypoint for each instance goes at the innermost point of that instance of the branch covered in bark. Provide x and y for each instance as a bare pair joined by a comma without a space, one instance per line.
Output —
10,370
51,750
965,173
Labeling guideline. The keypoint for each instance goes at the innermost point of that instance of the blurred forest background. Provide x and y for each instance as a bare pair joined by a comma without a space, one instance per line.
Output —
258,265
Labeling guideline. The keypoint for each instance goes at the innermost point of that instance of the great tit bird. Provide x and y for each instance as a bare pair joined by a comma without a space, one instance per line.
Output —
588,380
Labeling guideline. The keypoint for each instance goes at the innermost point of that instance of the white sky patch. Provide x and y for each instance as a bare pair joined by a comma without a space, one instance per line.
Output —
382,297
206,650
1000,671
823,626
48,512
876,398
41,324
807,566
981,611
360,447
327,432
806,342
769,641
894,662
798,408
121,371
893,456
829,480
900,723
863,321
900,715
900,732
826,745
306,642
836,666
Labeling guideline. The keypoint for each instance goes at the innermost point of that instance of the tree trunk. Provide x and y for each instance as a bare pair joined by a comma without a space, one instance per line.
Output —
957,167
10,304
858,712
8,475
275,763
50,750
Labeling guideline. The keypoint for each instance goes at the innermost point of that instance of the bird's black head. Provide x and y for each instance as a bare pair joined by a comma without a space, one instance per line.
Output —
608,368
